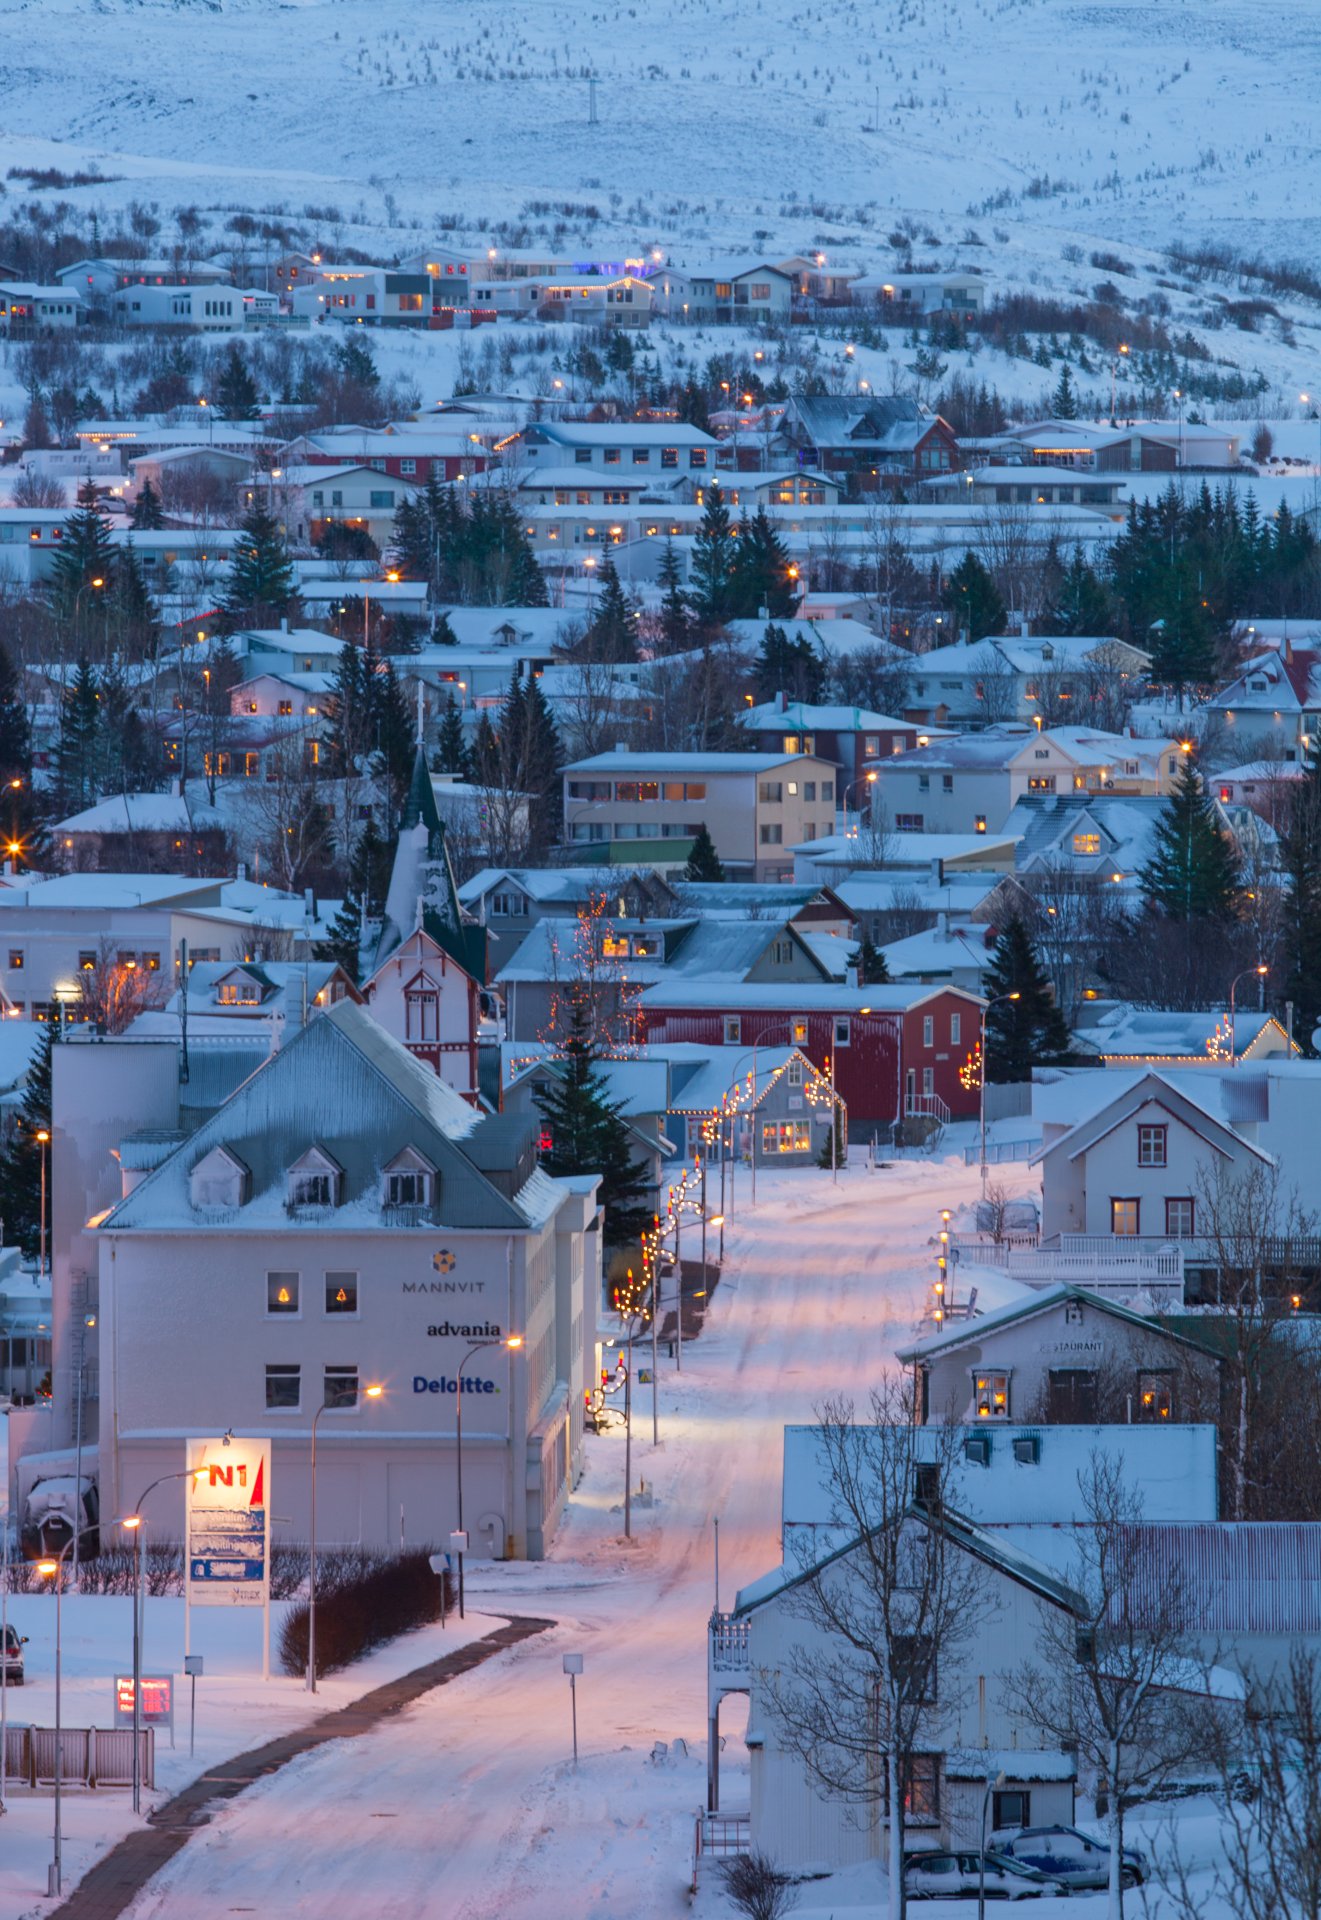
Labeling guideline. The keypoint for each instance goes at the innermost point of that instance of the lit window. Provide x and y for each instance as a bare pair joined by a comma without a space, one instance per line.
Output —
1086,843
1155,1396
1125,1216
991,1396
733,1030
341,1293
282,1293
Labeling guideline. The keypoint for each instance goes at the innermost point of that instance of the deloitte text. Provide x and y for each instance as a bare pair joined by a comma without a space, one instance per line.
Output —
469,1383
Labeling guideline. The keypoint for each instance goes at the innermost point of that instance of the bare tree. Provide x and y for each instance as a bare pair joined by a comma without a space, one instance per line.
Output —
1073,917
116,989
864,1690
1273,1845
296,833
34,489
1119,1680
997,685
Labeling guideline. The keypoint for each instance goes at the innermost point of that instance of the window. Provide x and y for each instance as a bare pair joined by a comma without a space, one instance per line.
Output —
913,1666
979,823
311,1190
947,783
641,456
1151,1146
1041,783
928,1029
770,792
795,1074
697,456
733,1030
612,456
1013,1808
422,1015
922,1791
908,823
509,906
16,959
1125,1216
809,790
771,836
1071,1398
792,789
956,1029
782,952
991,1396
759,290
341,1388
786,1136
282,1293
407,1188
1086,843
283,1388
828,790
1155,1396
341,1293
842,1030
408,466
928,1082
1179,1219
871,746
924,783
669,456
284,707
87,962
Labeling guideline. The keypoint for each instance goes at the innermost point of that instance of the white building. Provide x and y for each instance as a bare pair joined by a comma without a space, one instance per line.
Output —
207,309
343,1219
26,308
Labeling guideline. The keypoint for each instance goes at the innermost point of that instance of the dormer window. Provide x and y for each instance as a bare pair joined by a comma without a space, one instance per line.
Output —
409,1181
314,1180
220,1179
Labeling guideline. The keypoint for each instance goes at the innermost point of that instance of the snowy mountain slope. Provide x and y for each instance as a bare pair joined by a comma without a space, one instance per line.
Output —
1134,120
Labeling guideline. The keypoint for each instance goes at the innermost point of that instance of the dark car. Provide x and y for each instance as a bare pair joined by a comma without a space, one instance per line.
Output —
1064,1853
12,1656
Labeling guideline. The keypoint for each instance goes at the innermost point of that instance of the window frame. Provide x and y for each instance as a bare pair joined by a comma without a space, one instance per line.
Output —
1117,1201
1153,1135
985,1391
332,1310
331,1372
276,1276
286,1370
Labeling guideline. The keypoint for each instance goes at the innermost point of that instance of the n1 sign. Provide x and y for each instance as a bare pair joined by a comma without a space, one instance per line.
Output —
228,1523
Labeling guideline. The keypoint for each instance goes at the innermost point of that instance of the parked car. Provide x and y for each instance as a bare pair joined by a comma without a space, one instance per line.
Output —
1068,1855
954,1876
12,1657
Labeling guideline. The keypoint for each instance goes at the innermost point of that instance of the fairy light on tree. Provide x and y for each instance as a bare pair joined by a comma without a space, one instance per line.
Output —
970,1073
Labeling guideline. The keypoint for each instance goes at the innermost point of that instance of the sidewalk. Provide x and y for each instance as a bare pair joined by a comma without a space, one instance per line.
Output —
115,1882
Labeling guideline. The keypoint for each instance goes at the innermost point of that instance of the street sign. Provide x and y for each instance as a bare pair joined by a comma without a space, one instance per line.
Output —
644,1376
157,1700
229,1523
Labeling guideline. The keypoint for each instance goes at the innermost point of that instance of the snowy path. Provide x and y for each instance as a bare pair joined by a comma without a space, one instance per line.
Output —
467,1808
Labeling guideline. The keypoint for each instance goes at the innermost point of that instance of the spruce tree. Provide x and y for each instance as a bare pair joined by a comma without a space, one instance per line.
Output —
369,870
543,767
148,515
761,577
1300,930
834,1151
85,555
713,561
675,619
1029,1030
451,754
972,597
1080,604
613,634
343,944
261,590
1193,873
703,863
396,735
791,667
236,391
869,963
588,1134
78,758
20,1163
1064,400
348,710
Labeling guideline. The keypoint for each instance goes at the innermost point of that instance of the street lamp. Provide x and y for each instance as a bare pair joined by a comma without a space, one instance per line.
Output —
991,1786
999,999
43,1141
88,586
54,1569
513,1342
1261,972
133,1523
1120,351
369,1393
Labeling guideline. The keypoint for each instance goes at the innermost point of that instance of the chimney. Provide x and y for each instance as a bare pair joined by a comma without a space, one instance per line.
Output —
309,902
781,703
284,623
241,870
620,747
942,926
1288,651
1024,628
937,873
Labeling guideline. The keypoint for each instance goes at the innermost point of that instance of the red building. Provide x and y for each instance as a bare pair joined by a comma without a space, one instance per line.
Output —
896,1050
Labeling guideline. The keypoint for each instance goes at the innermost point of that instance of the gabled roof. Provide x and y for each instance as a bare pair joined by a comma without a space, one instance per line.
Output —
1194,1113
342,1084
971,1332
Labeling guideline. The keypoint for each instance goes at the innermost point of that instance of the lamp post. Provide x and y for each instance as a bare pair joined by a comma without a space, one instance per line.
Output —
43,1141
1261,972
991,1785
133,1523
369,1393
1119,352
513,1342
54,1569
863,780
981,1078
88,586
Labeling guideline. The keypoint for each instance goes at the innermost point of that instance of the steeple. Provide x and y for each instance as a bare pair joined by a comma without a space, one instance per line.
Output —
422,887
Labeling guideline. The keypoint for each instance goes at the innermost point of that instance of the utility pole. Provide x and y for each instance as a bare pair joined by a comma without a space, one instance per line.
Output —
591,100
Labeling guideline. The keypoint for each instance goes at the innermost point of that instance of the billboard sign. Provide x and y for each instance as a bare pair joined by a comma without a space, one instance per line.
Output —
157,1700
228,1523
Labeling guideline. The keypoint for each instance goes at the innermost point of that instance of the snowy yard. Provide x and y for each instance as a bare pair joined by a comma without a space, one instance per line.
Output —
472,1793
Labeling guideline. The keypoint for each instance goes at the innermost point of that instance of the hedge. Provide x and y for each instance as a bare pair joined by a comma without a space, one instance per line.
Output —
363,1609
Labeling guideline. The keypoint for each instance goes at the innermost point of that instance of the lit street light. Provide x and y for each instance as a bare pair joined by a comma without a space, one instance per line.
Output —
54,1569
1260,972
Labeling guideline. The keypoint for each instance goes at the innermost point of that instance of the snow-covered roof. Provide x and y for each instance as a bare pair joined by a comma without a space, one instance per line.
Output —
794,996
1140,1033
802,717
99,892
935,954
140,813
626,761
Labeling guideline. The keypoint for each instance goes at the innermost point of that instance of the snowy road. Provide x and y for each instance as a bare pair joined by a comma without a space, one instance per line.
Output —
467,1808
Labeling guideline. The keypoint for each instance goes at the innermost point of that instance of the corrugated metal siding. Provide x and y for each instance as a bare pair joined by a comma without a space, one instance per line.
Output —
1244,1577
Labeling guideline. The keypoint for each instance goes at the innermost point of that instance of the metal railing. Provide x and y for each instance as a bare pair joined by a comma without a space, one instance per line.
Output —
721,1836
91,1756
998,1151
926,1106
729,1642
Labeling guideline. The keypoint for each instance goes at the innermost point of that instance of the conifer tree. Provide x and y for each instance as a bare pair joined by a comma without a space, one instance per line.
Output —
1300,931
451,749
703,863
791,667
396,737
85,554
343,944
369,870
261,589
713,561
1064,401
972,597
834,1150
20,1164
1080,603
148,514
675,619
543,766
77,752
869,964
588,1134
1193,873
761,575
236,391
613,633
1028,1030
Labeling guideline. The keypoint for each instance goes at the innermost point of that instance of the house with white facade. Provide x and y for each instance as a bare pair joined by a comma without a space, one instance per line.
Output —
26,308
1273,706
204,309
1019,678
431,1005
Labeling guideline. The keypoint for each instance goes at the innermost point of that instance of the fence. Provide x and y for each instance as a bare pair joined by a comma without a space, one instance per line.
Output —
1000,1150
719,1837
92,1756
